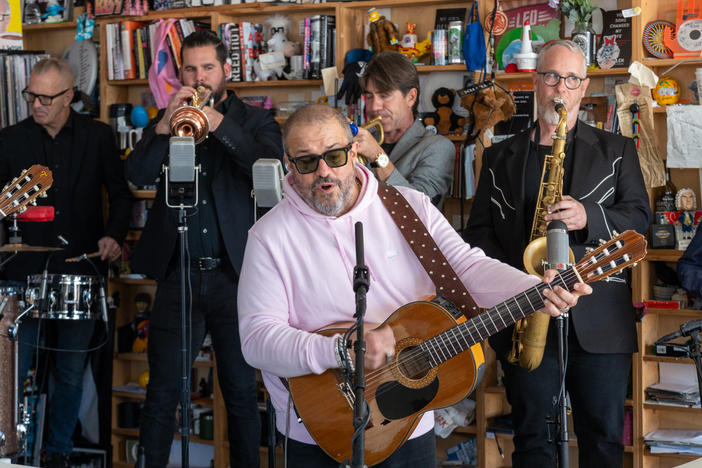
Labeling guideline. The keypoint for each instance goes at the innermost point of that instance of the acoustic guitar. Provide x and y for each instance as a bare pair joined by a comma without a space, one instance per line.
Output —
437,361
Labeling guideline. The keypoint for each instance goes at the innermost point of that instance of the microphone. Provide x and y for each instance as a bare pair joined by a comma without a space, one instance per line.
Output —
43,288
267,184
557,257
474,88
686,329
103,304
181,181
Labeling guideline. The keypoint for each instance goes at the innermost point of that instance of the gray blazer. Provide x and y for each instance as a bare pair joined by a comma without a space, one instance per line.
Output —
423,161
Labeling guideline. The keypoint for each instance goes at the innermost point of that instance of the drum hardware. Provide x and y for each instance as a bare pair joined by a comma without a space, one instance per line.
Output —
27,248
67,297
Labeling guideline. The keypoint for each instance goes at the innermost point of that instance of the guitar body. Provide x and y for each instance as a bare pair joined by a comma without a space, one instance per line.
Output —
396,398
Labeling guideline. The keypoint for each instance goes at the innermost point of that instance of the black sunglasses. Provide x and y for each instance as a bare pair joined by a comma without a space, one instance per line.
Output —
43,98
309,163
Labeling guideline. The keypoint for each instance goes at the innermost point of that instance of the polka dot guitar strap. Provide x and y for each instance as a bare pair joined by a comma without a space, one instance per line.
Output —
448,284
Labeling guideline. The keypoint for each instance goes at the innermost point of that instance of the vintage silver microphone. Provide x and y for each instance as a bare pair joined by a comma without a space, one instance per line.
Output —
267,184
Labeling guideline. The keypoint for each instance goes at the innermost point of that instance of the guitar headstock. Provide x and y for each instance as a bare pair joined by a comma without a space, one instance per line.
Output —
611,257
23,190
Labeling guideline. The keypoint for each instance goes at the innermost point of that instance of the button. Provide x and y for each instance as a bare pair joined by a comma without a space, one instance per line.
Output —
204,231
58,212
204,173
204,202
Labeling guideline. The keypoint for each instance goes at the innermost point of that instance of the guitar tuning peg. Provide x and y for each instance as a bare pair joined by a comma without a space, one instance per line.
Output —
14,180
615,234
24,171
634,264
23,209
33,203
44,195
589,249
602,242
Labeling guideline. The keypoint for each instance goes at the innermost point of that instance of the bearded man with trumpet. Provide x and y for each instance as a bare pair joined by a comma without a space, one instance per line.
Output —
236,135
410,155
602,191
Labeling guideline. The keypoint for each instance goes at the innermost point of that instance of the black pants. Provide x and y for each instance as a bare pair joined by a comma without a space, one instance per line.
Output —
214,309
419,452
596,384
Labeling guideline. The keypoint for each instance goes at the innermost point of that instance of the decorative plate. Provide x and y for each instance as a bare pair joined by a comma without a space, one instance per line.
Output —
653,38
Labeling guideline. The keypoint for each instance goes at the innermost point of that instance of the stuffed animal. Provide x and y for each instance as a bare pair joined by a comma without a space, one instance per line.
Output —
279,50
448,121
487,107
383,33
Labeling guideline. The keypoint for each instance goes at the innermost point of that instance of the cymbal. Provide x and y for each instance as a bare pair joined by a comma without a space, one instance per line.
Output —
27,248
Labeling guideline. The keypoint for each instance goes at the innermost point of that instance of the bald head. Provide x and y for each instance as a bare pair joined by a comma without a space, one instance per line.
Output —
314,114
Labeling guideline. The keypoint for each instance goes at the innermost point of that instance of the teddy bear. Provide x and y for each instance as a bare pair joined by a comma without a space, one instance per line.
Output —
383,33
444,118
487,107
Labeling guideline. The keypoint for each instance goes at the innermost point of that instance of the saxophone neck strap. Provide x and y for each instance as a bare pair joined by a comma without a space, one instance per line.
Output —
447,282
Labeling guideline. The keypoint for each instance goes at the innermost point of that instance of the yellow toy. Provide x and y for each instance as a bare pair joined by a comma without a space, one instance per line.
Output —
667,91
144,379
420,49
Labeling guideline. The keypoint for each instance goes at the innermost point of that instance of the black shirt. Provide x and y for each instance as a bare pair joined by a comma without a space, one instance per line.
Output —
532,174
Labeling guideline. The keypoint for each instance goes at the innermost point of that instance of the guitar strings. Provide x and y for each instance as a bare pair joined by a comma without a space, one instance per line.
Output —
522,301
378,376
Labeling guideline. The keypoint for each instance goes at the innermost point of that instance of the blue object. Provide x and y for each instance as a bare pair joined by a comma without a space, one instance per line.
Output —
354,129
474,51
139,116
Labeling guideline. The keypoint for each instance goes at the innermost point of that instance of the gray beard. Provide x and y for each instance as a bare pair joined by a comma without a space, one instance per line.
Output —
325,205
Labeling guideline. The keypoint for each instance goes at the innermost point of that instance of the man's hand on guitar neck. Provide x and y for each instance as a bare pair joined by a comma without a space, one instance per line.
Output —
559,300
380,347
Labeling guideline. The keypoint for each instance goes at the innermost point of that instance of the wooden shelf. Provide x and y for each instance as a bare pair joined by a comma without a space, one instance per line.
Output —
661,407
129,395
48,27
654,62
145,281
675,312
526,76
663,255
144,194
466,429
143,357
680,360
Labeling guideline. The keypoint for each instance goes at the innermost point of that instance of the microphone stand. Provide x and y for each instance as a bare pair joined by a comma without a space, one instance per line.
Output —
361,283
185,318
562,419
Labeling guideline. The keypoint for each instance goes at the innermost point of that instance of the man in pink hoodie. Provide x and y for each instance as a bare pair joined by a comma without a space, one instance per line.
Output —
297,275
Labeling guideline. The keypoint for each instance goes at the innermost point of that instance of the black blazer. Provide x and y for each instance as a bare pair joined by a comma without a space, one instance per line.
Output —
94,164
246,134
607,180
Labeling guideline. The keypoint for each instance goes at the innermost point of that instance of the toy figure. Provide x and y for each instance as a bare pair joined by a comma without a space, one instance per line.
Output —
383,33
447,121
142,304
53,12
280,49
686,203
411,48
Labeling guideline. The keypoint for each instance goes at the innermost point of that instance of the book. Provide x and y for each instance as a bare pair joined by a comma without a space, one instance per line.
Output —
315,47
127,28
615,48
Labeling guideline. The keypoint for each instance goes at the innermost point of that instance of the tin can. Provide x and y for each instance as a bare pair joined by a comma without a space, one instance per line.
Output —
439,46
455,41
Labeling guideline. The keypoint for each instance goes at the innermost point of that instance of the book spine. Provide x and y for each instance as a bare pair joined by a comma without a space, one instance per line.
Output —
235,52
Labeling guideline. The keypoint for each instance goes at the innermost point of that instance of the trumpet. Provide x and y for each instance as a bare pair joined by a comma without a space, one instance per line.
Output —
375,127
189,120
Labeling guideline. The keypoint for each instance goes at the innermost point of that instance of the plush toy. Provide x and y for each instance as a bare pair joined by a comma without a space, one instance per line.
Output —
280,49
446,120
487,107
383,33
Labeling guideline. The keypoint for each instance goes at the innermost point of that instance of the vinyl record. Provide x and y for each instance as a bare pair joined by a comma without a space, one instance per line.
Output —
653,38
82,57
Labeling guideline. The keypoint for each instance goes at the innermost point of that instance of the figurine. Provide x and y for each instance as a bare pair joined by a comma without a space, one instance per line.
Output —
53,12
686,203
412,49
142,304
383,33
280,49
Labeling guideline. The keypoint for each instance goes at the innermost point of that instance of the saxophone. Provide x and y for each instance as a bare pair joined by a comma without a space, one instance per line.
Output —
529,337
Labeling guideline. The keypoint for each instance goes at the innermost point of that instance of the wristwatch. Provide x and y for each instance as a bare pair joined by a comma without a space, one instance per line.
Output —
381,160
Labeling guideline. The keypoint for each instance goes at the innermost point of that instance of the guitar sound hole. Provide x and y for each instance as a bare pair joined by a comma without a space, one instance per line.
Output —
412,363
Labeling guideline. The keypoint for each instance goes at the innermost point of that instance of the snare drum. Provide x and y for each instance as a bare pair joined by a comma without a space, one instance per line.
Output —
8,403
69,297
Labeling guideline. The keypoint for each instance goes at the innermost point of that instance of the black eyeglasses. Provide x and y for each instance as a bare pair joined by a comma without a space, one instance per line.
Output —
552,79
43,98
309,163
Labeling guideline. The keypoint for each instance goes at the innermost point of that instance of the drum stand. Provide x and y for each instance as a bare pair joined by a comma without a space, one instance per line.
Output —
22,417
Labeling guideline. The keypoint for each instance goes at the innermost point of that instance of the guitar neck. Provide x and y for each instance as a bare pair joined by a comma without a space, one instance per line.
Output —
457,339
